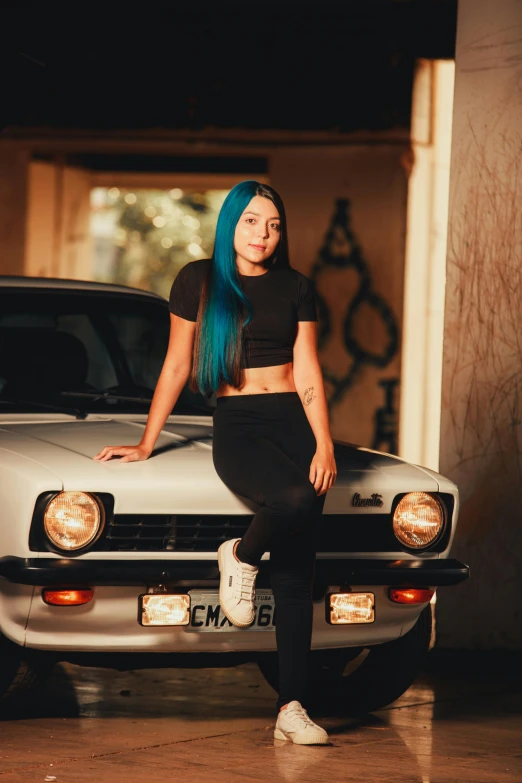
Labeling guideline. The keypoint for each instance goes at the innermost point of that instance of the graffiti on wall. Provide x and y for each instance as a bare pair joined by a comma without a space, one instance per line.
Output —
342,251
386,419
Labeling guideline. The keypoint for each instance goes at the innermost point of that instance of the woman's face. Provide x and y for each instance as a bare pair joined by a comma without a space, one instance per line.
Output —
257,231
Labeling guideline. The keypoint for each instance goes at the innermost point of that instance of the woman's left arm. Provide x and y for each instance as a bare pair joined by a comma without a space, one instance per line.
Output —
309,383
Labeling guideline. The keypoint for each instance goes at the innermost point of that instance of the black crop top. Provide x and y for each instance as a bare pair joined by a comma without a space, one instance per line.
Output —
279,298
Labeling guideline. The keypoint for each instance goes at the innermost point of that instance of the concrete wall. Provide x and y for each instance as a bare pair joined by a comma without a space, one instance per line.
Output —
58,209
14,166
44,217
42,245
346,210
481,428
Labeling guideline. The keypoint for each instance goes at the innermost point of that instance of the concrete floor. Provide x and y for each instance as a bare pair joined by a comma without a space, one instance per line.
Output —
461,721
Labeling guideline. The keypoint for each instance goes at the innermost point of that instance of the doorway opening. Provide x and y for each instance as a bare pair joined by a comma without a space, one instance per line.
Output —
142,237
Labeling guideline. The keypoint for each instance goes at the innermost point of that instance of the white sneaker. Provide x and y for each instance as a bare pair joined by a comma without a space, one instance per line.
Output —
294,724
236,586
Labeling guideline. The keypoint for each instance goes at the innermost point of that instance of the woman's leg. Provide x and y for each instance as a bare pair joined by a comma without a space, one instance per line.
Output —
267,459
255,467
292,568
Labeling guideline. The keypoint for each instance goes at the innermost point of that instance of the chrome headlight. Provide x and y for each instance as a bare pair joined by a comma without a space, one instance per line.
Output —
73,520
418,520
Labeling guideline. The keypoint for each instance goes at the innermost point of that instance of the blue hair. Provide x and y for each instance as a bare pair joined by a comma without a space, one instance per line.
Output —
218,346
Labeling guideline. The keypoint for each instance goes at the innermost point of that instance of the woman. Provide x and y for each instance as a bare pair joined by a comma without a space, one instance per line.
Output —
243,325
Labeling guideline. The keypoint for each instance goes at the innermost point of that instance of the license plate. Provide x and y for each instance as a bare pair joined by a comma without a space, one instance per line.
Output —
207,615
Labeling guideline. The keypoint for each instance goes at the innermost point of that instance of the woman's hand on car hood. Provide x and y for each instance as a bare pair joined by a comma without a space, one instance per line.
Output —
127,453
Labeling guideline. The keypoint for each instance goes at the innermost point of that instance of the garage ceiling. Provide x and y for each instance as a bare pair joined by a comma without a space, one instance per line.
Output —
289,65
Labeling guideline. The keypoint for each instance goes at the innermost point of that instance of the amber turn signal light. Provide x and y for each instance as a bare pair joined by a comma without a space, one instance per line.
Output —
67,597
410,595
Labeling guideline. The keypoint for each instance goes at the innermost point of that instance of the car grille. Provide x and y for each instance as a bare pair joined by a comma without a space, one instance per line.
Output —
205,532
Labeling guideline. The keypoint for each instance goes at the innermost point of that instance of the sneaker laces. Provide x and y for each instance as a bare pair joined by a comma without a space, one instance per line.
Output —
247,584
301,716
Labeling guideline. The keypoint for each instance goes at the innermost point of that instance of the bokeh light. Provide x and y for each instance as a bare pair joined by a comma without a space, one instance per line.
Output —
143,238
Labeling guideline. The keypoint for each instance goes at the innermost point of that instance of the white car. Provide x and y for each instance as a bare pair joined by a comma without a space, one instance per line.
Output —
116,562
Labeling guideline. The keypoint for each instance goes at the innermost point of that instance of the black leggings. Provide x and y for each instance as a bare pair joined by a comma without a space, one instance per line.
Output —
263,445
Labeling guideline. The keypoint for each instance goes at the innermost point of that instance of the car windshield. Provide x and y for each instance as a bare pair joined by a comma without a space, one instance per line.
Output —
84,351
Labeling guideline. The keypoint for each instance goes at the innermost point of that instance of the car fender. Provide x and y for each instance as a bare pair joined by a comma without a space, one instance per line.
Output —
21,481
448,486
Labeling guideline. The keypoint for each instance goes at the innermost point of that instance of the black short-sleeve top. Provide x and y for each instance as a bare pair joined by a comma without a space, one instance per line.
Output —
279,297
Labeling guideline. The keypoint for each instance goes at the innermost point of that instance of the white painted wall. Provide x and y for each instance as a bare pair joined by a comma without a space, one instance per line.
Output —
425,275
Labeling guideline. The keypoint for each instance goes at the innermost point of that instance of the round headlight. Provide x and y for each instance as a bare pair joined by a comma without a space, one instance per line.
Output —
72,520
418,519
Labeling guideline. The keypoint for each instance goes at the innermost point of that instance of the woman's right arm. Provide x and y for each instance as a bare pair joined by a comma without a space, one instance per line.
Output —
173,377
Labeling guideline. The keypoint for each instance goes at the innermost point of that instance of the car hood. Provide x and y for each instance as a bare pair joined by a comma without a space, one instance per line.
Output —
180,477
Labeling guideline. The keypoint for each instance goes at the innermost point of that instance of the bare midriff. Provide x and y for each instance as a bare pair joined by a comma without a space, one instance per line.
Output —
262,380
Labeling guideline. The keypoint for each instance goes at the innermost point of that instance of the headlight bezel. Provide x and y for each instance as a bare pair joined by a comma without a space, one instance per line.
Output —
444,528
100,524
38,538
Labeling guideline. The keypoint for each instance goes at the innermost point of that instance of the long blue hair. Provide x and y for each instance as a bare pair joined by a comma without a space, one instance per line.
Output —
224,309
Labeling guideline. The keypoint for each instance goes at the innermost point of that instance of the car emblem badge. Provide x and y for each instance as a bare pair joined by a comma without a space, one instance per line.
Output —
375,500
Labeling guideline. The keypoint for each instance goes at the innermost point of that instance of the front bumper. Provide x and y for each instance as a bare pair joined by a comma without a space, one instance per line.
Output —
109,623
204,573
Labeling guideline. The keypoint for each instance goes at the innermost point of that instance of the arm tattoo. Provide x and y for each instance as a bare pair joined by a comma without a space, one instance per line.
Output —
309,395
